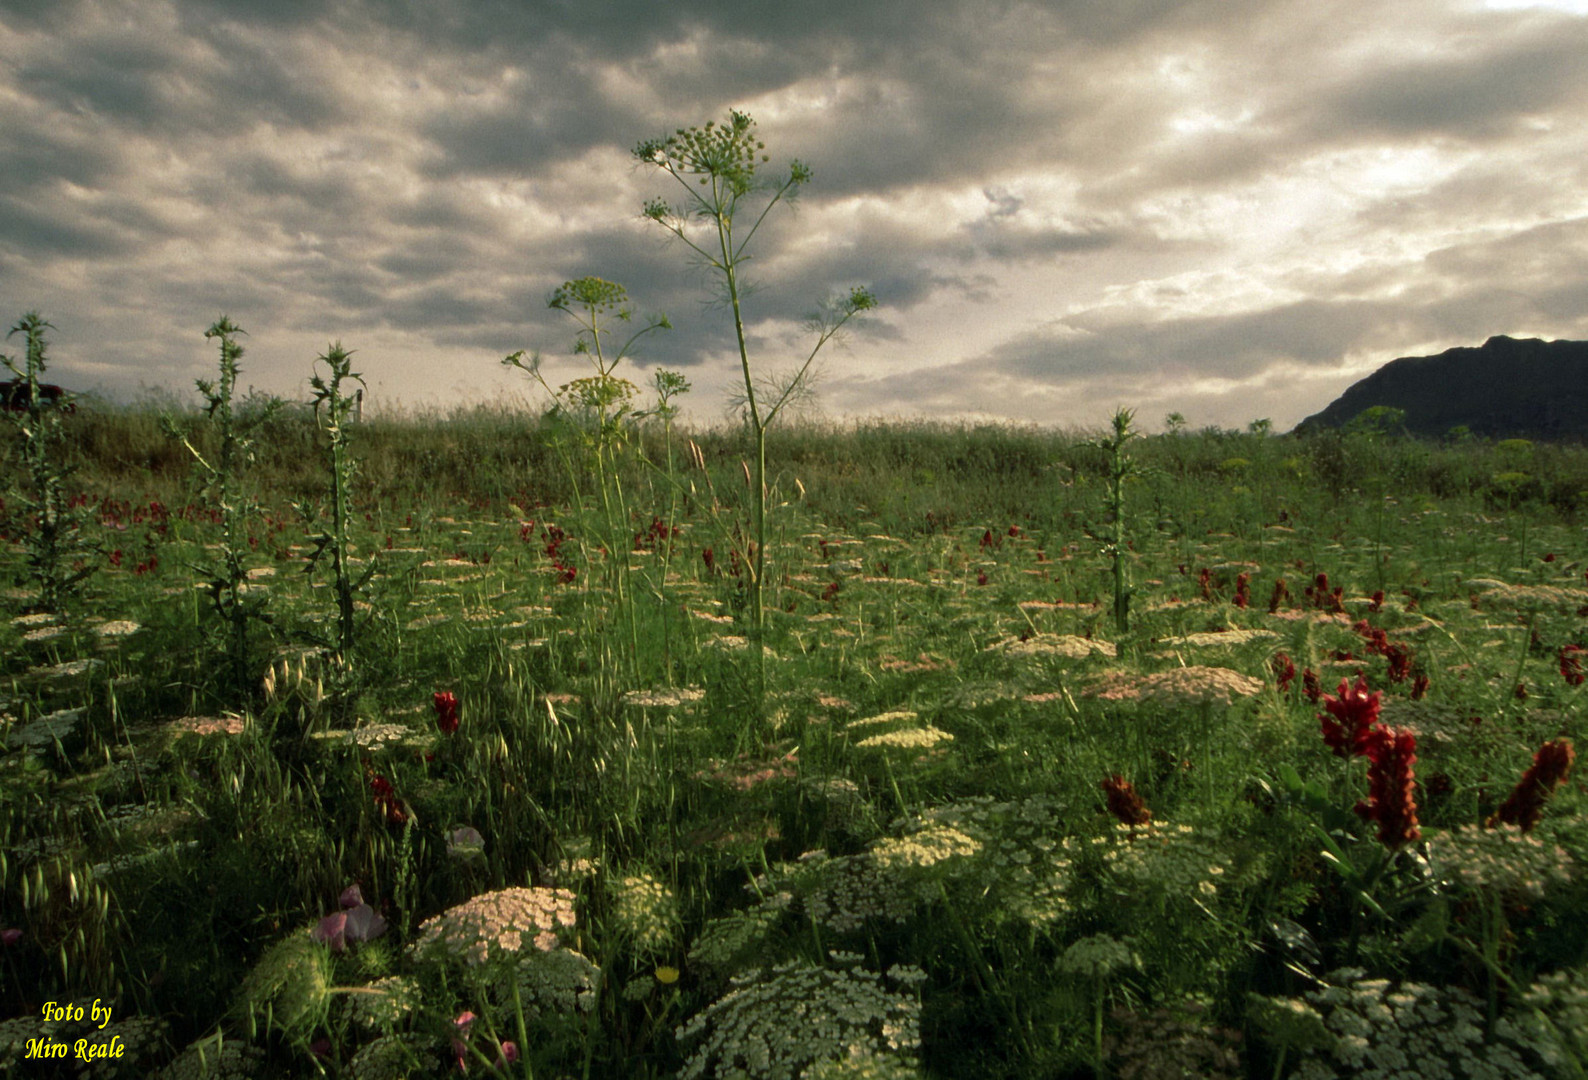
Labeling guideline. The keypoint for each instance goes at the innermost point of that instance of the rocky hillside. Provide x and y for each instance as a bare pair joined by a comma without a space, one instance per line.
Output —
1509,388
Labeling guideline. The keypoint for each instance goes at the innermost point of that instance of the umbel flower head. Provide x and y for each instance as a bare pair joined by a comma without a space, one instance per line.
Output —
498,925
729,153
775,1025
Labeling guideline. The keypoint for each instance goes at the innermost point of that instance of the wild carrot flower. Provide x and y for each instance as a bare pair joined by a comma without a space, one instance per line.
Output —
1525,805
1391,797
1351,718
1124,803
446,711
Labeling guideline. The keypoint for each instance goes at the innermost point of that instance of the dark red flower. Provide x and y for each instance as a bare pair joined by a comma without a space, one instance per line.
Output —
1310,685
1280,595
1549,770
1124,803
1571,665
1284,670
1242,590
1377,603
446,711
1419,686
1392,788
1350,719
386,799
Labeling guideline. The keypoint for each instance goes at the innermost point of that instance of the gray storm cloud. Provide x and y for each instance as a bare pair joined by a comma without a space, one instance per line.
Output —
1229,209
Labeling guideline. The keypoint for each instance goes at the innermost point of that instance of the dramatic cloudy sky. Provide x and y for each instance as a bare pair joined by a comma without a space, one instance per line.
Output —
1228,208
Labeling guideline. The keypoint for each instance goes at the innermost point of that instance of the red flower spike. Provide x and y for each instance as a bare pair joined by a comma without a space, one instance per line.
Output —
1284,670
1392,788
1549,770
446,711
1280,595
1310,685
1351,718
1571,665
1124,803
1242,590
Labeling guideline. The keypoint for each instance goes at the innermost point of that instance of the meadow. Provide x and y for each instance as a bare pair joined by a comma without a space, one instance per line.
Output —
1212,753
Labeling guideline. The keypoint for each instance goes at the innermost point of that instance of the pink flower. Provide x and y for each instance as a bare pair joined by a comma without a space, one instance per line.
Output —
509,1053
10,936
332,931
351,896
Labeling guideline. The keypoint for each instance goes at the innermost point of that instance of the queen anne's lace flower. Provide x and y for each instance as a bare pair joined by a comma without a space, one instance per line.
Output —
907,739
1172,1043
1383,1030
385,1002
290,983
215,1058
774,1025
1195,685
1555,1019
1067,646
644,911
1504,859
560,981
497,924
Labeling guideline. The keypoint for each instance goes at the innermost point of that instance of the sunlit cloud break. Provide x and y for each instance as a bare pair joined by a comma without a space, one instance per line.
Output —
1229,210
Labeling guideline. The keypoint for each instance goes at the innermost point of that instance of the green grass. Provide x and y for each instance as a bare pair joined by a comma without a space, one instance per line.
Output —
972,905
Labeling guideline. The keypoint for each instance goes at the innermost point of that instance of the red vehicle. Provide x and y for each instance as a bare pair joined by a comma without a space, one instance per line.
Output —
14,395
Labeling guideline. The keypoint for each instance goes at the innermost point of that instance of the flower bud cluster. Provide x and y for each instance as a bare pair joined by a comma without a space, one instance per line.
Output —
644,911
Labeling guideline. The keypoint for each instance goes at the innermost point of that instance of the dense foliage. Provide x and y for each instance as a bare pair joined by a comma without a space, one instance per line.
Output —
1310,812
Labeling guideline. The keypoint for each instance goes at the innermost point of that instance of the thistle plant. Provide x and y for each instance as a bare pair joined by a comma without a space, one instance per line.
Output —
57,554
221,478
1121,467
337,544
717,168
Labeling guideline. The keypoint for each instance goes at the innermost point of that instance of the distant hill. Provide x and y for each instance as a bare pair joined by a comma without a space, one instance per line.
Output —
1510,388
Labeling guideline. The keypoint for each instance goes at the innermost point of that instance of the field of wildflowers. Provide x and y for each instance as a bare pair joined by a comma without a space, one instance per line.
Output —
503,793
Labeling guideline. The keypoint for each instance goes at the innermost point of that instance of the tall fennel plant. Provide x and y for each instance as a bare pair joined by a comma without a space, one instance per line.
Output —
723,206
221,479
599,408
57,553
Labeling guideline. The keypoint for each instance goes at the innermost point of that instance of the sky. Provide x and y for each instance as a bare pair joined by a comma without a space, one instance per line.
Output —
1229,209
